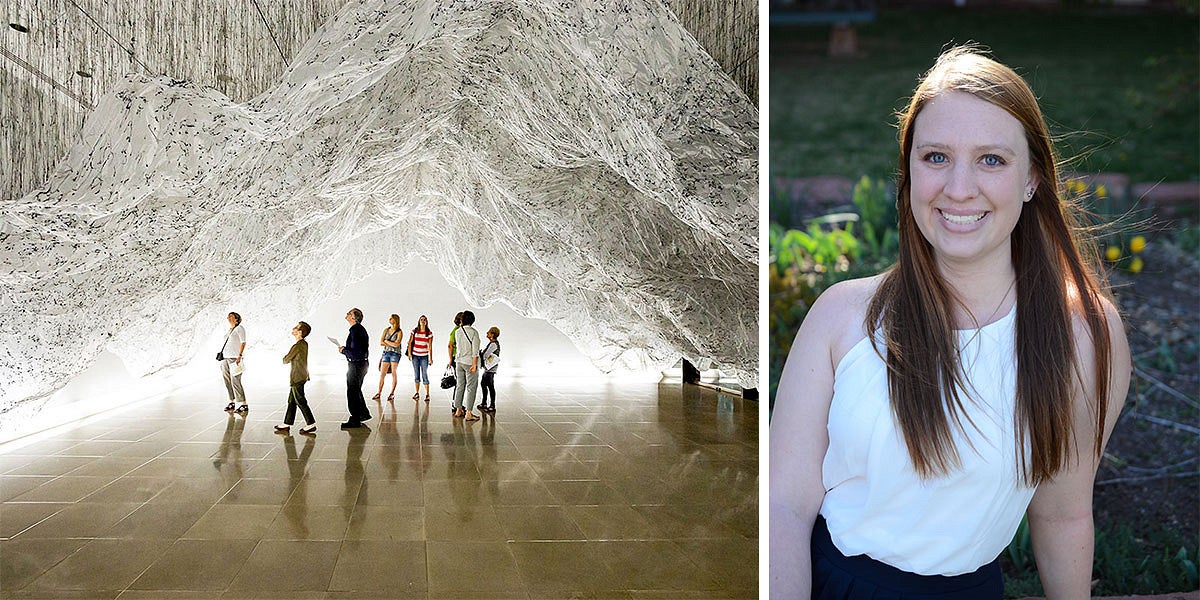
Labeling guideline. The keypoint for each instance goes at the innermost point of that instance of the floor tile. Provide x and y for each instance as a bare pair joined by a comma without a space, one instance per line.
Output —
390,493
279,565
15,485
84,519
130,489
653,565
16,517
486,567
158,521
21,561
383,566
233,522
306,522
64,489
387,523
260,491
102,565
565,566
465,521
196,565
531,523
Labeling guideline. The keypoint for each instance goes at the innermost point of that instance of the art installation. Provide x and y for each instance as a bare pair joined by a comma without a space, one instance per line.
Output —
586,163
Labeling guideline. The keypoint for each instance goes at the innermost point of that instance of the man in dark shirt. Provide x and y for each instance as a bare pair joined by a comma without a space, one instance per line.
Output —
356,350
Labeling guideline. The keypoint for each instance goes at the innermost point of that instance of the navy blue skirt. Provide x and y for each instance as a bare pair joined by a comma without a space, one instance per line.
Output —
839,577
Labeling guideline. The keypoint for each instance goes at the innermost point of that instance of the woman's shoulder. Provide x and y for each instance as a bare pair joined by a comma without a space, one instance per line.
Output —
838,314
1085,345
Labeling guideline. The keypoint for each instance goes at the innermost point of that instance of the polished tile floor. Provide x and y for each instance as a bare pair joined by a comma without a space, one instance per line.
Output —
572,490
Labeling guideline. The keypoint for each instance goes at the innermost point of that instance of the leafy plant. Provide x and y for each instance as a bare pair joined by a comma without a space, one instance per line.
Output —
877,213
830,248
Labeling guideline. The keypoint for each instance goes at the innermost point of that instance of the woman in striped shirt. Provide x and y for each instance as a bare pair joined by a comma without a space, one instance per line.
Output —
419,344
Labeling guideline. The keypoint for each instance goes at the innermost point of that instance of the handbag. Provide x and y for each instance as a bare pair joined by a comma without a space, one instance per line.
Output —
448,379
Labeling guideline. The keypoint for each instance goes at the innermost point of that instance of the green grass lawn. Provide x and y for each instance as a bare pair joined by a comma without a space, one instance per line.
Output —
1122,92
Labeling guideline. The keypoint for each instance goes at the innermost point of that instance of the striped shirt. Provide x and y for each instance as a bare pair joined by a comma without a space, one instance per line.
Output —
421,342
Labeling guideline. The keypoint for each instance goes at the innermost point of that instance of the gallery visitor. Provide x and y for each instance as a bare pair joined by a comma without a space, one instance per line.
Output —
390,342
489,358
466,368
356,352
297,357
420,346
232,367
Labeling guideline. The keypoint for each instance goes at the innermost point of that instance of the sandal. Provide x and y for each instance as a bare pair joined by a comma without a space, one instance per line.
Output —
390,397
471,417
230,406
417,396
375,397
243,409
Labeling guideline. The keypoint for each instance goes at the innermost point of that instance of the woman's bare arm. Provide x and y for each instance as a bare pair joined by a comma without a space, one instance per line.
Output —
1060,514
799,436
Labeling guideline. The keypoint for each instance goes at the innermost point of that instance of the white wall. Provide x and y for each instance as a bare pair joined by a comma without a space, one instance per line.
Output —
530,348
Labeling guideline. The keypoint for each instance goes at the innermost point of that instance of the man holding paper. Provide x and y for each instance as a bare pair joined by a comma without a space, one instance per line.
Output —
356,351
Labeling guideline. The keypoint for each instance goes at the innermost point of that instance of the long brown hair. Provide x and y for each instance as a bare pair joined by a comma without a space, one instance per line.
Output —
1057,276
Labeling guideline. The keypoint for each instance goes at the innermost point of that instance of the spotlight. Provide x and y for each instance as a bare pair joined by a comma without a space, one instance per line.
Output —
84,74
19,27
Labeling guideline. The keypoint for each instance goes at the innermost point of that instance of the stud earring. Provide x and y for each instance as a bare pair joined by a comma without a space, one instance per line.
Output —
1029,194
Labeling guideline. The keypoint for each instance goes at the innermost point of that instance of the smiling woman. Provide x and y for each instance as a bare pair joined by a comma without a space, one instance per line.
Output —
923,411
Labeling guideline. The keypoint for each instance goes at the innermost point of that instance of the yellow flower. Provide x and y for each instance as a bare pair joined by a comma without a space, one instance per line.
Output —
1137,244
1102,192
1135,265
1112,253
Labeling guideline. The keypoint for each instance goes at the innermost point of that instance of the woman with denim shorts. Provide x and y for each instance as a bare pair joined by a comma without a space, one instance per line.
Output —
390,340
419,344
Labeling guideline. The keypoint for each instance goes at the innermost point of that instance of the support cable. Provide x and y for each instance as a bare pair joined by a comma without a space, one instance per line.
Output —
127,49
270,31
45,78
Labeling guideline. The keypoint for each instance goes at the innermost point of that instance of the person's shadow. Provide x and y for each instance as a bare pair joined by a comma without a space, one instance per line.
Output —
228,460
487,459
420,441
462,475
297,465
389,440
355,474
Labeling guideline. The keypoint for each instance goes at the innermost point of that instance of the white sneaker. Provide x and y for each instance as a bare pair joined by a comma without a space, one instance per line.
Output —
309,428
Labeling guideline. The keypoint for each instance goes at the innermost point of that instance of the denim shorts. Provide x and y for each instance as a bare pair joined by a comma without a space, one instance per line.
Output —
389,356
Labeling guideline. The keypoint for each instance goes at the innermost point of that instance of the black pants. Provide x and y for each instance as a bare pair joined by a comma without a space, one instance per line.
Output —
296,398
356,372
488,383
860,577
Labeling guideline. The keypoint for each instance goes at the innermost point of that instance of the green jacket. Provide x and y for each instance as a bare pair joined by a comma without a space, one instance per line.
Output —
298,357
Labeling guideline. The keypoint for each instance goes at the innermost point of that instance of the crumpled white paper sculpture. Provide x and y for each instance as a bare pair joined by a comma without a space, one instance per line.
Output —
585,162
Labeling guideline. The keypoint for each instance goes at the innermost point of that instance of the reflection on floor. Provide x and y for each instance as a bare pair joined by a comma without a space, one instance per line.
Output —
572,489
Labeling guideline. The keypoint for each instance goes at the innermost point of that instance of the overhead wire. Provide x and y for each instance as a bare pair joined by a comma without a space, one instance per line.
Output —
127,49
270,31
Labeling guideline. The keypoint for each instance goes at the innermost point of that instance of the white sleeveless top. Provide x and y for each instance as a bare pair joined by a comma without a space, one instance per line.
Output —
876,504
